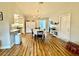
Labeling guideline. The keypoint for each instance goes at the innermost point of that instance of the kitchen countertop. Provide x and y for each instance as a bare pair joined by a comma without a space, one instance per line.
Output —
14,30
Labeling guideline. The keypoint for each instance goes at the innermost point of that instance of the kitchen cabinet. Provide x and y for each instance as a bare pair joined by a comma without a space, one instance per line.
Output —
15,36
53,30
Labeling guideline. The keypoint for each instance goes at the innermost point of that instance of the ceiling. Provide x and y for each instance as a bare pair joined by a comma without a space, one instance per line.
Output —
46,8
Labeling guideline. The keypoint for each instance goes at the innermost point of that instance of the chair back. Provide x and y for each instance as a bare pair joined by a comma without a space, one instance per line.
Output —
39,32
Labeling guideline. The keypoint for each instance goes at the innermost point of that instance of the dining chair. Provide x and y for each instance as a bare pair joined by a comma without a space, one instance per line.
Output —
40,34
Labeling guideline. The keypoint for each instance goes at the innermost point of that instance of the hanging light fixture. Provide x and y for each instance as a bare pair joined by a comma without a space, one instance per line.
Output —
41,2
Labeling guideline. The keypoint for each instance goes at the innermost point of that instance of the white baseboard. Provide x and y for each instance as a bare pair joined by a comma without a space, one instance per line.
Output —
66,40
5,47
75,42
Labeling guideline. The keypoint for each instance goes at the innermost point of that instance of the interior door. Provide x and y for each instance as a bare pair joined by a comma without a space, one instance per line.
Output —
28,27
65,27
32,25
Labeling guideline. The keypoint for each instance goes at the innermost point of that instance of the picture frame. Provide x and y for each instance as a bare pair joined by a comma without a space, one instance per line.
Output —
1,16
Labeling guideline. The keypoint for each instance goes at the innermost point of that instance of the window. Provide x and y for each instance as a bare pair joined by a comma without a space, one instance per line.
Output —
42,24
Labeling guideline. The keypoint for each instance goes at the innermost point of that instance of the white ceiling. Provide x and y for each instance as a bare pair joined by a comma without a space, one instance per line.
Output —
47,8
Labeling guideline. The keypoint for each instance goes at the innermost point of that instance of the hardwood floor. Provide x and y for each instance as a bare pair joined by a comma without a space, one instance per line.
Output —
31,47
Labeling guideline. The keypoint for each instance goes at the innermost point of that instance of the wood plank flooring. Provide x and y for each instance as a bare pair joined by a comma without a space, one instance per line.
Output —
51,46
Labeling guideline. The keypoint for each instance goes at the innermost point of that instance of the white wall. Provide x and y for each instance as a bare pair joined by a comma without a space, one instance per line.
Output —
75,27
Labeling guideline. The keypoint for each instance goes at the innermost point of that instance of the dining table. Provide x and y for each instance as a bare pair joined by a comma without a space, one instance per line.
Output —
36,30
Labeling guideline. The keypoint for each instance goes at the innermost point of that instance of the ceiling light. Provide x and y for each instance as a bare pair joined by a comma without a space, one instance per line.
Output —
41,2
